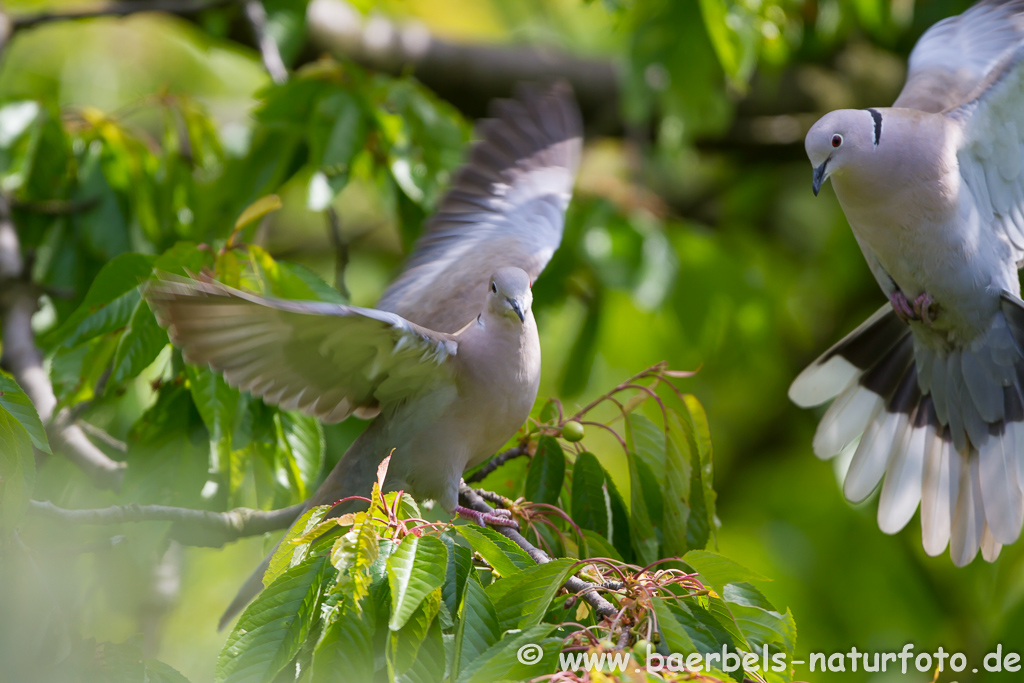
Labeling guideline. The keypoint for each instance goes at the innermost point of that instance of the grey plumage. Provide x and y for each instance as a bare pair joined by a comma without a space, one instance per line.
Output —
449,361
933,188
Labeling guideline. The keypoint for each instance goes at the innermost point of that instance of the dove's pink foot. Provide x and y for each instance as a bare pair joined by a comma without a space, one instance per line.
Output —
904,311
924,308
497,518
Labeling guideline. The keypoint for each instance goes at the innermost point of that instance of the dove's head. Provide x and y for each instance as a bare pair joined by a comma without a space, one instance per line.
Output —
509,294
842,140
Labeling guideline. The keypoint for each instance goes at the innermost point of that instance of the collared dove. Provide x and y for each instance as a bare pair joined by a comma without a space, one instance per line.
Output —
450,361
932,383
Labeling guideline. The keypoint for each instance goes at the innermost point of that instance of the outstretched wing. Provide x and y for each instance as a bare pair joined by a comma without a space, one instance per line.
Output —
324,359
506,207
991,152
956,56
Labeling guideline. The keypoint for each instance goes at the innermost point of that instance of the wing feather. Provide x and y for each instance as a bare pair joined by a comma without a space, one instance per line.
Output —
327,360
506,207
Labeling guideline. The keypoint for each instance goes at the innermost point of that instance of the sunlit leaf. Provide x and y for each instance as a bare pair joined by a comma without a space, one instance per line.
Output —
415,569
20,407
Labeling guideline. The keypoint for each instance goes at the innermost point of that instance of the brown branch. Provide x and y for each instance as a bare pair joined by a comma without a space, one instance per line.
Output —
576,586
19,300
496,462
120,9
468,75
191,527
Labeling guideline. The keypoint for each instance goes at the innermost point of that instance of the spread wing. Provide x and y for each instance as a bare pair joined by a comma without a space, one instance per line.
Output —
506,207
957,55
991,152
327,360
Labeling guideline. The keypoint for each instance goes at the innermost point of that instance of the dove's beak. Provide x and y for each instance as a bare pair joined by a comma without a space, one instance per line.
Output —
820,176
518,308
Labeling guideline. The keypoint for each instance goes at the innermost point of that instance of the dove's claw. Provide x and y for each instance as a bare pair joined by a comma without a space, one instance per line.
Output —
924,308
904,311
497,518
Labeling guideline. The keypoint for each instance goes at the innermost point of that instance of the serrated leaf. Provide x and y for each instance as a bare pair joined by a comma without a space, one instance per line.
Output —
286,553
522,599
272,629
109,303
415,569
590,504
404,644
139,346
302,441
20,406
546,473
354,554
460,564
478,626
430,662
501,661
504,556
672,632
717,571
760,623
347,643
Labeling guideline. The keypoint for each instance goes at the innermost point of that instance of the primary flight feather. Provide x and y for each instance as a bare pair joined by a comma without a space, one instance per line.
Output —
932,385
449,361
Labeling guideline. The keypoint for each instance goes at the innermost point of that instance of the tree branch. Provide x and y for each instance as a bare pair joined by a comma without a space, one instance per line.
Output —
468,75
120,9
341,254
269,52
191,527
496,462
584,589
18,302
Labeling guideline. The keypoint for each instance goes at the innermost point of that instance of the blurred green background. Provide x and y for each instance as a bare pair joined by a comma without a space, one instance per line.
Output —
693,237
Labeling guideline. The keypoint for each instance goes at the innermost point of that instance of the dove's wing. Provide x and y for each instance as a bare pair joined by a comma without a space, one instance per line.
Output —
991,151
506,207
324,359
957,55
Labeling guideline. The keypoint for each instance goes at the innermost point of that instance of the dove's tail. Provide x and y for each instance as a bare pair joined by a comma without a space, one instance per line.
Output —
944,430
354,475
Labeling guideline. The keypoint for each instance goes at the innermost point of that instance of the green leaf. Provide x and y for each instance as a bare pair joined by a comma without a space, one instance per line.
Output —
504,556
19,405
717,571
701,436
676,523
286,554
644,494
522,599
404,644
302,440
347,643
257,210
589,499
546,473
478,626
760,623
139,346
430,662
460,564
734,36
168,452
501,661
17,469
272,629
672,632
109,303
415,569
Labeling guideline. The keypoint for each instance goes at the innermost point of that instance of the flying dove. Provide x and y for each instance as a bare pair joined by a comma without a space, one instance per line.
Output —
449,362
932,383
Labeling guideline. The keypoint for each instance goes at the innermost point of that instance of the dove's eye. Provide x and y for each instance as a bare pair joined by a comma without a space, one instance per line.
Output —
837,140
494,288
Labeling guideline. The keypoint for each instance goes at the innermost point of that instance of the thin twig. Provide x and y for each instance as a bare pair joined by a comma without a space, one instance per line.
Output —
191,527
101,436
496,462
575,585
269,51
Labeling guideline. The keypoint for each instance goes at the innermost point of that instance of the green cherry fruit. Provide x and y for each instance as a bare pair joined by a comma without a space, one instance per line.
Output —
572,431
